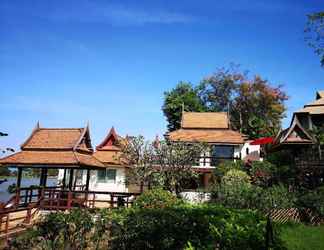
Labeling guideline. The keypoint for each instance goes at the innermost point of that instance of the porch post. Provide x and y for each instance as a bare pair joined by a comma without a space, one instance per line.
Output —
88,180
64,179
45,177
71,179
42,176
19,174
17,199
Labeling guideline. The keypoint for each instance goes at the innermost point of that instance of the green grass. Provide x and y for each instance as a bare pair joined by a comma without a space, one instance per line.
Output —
303,237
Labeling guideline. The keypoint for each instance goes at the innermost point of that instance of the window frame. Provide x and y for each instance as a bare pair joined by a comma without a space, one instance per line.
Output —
107,177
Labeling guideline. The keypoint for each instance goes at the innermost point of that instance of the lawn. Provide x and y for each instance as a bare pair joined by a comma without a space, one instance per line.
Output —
302,237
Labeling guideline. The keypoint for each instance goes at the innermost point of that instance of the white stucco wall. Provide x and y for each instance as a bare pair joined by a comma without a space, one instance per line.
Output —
253,150
95,185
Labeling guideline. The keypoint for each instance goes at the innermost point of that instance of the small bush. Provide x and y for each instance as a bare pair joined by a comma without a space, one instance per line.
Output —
226,166
156,198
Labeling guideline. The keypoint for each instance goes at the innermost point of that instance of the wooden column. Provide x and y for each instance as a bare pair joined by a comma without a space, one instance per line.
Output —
71,179
45,177
19,174
41,179
88,180
64,179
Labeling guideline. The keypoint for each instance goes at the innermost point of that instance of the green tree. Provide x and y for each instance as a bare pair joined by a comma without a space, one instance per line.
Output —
218,90
256,108
184,95
315,33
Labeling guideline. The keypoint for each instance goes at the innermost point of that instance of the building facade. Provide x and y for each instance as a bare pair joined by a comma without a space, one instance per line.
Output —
224,143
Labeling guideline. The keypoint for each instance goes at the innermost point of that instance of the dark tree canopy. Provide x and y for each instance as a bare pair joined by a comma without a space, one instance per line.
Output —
255,107
315,33
184,95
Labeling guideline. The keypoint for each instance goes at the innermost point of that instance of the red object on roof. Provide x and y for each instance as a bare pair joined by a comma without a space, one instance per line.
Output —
262,141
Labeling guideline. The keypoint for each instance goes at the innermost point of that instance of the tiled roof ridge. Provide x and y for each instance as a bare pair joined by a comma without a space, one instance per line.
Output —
35,129
83,134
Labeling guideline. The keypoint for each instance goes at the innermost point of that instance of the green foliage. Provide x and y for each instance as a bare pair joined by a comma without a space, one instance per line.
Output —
156,198
181,226
191,227
262,173
284,164
243,195
4,171
256,108
312,199
236,177
225,166
12,188
59,230
183,94
314,34
278,196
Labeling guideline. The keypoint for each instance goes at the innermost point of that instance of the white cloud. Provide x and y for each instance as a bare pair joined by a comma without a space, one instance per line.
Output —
117,14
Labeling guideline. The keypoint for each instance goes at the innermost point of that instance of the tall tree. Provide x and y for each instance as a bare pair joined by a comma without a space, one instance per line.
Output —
258,108
255,107
315,33
218,90
184,95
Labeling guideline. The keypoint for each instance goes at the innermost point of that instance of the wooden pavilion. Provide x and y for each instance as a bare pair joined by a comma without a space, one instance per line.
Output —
55,148
69,149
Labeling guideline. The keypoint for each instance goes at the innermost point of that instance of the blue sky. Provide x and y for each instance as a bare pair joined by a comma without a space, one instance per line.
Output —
64,63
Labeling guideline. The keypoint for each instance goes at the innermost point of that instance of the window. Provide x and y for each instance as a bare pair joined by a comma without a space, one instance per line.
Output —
247,151
221,153
107,175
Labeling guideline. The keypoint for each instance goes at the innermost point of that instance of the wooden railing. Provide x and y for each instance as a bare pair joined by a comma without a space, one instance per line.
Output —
26,203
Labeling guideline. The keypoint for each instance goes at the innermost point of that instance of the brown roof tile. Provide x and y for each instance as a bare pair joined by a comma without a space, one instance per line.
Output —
108,157
51,158
55,146
48,138
223,136
208,120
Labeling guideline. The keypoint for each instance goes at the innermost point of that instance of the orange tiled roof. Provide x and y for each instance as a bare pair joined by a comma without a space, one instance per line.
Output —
222,136
108,157
206,120
55,146
56,138
33,157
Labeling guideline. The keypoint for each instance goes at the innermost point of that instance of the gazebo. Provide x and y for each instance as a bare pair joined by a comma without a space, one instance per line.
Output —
53,148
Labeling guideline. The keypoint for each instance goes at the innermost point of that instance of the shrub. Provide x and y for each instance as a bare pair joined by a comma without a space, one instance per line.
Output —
242,195
312,199
226,166
156,198
58,231
190,227
262,173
